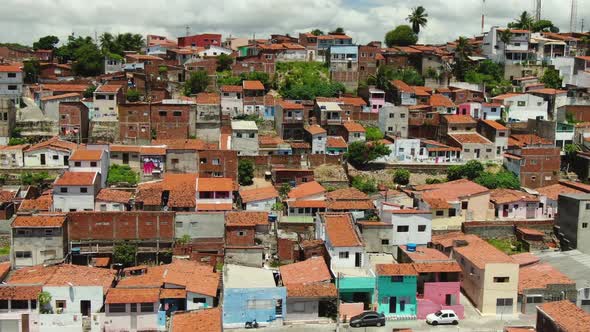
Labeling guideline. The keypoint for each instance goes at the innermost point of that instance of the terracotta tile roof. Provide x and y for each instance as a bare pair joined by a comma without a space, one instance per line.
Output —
438,100
306,244
76,179
539,276
208,98
143,57
214,184
437,267
309,271
172,293
182,144
269,140
333,37
101,261
39,221
506,96
315,130
315,290
459,118
86,155
401,86
109,88
409,211
424,254
446,240
519,329
336,142
8,68
354,101
396,270
553,191
491,105
7,196
65,87
525,258
306,189
214,207
133,295
149,193
438,195
353,127
62,96
41,203
231,88
347,194
300,145
4,269
480,253
54,143
258,194
63,275
113,195
502,196
469,138
548,91
290,105
124,148
340,231
527,139
494,124
152,150
182,189
307,204
246,218
205,320
567,316
528,231
350,205
19,293
252,85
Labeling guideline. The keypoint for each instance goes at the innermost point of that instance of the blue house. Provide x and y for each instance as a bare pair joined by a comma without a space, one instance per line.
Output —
251,294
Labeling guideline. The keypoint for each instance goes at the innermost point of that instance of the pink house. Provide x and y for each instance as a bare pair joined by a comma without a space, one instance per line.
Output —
376,99
515,204
439,287
472,109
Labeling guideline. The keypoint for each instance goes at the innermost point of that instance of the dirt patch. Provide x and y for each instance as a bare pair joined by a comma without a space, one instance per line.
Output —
258,183
385,176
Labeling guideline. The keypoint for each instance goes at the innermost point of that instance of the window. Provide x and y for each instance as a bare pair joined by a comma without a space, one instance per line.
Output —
521,103
60,304
584,225
177,113
587,206
216,162
467,150
343,255
12,87
133,307
504,302
83,190
501,279
397,279
162,113
77,164
117,307
384,242
63,190
241,233
534,299
199,300
174,161
19,304
403,229
391,115
501,134
23,254
421,228
93,164
147,307
55,157
11,75
203,160
403,116
464,205
440,213
49,232
252,135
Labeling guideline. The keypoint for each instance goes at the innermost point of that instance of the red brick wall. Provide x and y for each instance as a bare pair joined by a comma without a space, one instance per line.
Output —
541,167
233,239
76,116
199,40
286,251
132,118
129,225
228,163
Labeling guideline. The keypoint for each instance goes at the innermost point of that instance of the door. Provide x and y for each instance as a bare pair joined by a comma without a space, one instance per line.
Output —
402,305
531,208
357,259
133,322
85,308
66,160
392,304
477,153
504,306
24,322
125,158
43,161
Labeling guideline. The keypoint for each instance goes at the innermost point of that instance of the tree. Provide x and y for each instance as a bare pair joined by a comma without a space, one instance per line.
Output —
34,179
551,78
305,80
571,150
365,184
418,18
31,68
373,133
17,141
505,36
89,92
46,43
361,153
544,26
224,62
133,95
185,239
471,170
401,176
317,32
402,35
89,60
338,31
503,179
117,45
197,82
525,21
385,74
44,299
245,172
121,174
463,51
284,190
124,253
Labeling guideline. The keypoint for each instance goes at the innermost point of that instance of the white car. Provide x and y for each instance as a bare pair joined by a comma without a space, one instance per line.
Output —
442,317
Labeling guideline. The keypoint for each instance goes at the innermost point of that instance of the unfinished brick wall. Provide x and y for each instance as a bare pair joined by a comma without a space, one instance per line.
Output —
128,225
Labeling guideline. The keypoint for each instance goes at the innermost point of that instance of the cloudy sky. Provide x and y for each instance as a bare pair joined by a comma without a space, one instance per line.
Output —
25,21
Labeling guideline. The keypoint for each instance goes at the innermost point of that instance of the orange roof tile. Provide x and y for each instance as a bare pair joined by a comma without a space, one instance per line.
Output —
252,85
214,184
152,150
124,148
76,179
19,293
347,194
246,218
315,130
345,205
208,98
506,96
133,295
467,138
309,271
63,275
502,196
336,142
437,195
548,91
42,203
459,118
402,86
529,231
315,290
424,254
396,270
287,105
539,276
258,194
86,155
567,315
113,195
109,88
182,144
54,143
307,204
306,189
39,221
213,207
8,68
528,139
231,88
480,253
494,124
205,320
354,101
525,258
4,269
65,87
353,127
62,96
437,267
438,100
553,191
172,293
340,231
101,261
446,240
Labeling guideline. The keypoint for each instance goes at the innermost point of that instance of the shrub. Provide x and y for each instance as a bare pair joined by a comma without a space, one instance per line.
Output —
245,172
365,184
401,176
124,254
122,174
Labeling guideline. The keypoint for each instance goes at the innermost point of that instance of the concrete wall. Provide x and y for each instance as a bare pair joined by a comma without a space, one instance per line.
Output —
349,262
231,104
302,309
394,120
494,290
74,199
405,290
73,296
237,311
245,145
249,257
42,247
572,215
122,321
190,305
264,205
413,235
52,158
199,225
372,237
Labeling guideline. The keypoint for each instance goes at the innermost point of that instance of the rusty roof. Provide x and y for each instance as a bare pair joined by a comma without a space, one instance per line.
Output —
566,315
114,195
539,276
39,221
314,290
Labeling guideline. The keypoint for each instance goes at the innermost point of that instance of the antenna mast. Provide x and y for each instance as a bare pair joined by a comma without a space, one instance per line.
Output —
538,10
483,15
573,15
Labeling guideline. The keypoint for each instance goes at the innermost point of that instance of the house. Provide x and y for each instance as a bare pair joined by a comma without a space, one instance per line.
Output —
354,132
203,228
309,289
396,289
83,160
434,151
19,303
43,203
343,62
305,200
442,104
289,120
171,119
555,99
253,97
376,99
291,176
259,199
571,224
232,102
75,191
51,153
241,227
473,146
134,123
489,276
270,144
250,294
522,107
245,138
50,104
548,195
7,204
541,283
515,204
517,50
11,81
318,137
349,200
38,239
492,111
495,132
409,226
328,113
200,40
73,121
454,123
536,161
438,288
205,320
113,200
13,155
214,194
182,155
394,120
335,145
207,118
124,305
174,192
106,100
561,316
7,120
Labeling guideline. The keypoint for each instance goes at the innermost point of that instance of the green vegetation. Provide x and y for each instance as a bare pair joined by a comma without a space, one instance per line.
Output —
402,35
89,92
387,73
31,70
361,153
122,174
491,74
507,246
226,78
305,80
401,177
117,45
365,184
524,21
284,190
4,251
44,299
278,206
551,78
317,32
224,62
245,172
250,117
185,239
219,267
434,181
196,83
133,95
373,133
34,179
470,170
463,51
475,171
418,18
46,43
17,141
124,253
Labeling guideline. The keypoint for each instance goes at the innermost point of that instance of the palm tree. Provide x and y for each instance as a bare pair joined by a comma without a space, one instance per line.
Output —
524,21
462,52
505,36
418,18
106,42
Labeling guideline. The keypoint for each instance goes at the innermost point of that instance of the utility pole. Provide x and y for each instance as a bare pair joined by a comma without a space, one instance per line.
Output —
573,15
483,15
188,30
538,10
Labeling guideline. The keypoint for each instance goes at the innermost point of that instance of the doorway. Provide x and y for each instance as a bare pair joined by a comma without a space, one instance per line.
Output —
43,161
393,304
125,158
66,160
357,259
85,307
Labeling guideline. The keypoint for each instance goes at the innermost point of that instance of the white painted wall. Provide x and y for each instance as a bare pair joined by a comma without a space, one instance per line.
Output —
73,199
232,103
73,296
338,262
262,205
318,143
190,305
533,107
53,158
412,221
121,321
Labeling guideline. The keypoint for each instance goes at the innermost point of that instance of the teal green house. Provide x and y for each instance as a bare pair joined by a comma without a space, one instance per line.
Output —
357,289
396,288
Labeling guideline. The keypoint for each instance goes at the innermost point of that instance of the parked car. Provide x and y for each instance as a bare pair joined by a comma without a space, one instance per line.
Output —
368,318
442,317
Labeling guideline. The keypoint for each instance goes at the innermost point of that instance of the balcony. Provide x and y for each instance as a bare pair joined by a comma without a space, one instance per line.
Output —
294,120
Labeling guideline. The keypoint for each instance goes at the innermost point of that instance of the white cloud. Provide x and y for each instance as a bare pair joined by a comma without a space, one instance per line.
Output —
26,20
